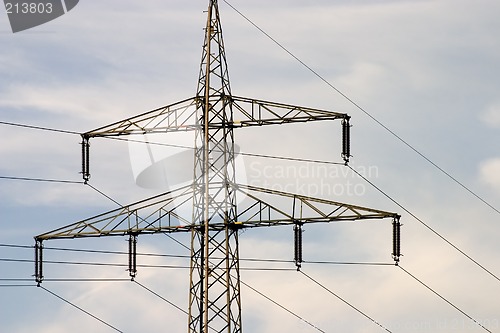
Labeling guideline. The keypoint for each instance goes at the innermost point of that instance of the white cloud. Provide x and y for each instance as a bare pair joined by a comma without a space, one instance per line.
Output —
491,116
489,172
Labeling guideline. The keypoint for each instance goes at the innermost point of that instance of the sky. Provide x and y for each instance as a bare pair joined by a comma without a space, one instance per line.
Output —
427,70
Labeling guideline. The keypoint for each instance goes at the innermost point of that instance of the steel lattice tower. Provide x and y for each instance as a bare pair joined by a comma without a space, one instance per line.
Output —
217,215
214,298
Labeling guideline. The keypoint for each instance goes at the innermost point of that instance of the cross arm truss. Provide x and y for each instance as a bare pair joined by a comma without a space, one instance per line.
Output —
253,112
181,116
171,212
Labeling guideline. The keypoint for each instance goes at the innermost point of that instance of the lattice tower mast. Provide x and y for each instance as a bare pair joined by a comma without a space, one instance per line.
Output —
215,287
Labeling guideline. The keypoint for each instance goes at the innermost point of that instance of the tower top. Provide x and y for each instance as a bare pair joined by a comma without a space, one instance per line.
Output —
214,77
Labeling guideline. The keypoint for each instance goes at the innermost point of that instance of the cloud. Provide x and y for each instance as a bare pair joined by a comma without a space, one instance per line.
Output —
489,173
491,117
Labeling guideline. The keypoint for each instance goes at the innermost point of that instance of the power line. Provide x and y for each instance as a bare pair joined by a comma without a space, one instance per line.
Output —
179,256
66,280
41,180
284,158
153,292
17,246
161,297
394,134
87,263
348,263
39,128
104,194
17,285
79,308
425,224
444,299
86,280
346,302
282,307
106,264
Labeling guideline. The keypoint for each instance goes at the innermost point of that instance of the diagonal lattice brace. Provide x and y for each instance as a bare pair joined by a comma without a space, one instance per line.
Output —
271,208
160,213
180,116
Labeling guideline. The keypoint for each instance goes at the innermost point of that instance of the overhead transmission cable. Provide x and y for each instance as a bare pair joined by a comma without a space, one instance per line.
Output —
161,297
345,302
426,225
41,128
282,307
177,266
180,256
284,158
108,264
444,299
46,180
81,309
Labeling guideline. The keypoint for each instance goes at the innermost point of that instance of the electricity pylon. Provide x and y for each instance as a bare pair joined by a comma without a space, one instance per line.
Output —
219,207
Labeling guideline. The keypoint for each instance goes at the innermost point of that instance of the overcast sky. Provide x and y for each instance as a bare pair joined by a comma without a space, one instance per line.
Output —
428,70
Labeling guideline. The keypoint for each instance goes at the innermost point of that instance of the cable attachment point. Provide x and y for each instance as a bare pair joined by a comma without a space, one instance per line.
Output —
396,239
38,262
132,256
346,139
297,232
85,158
